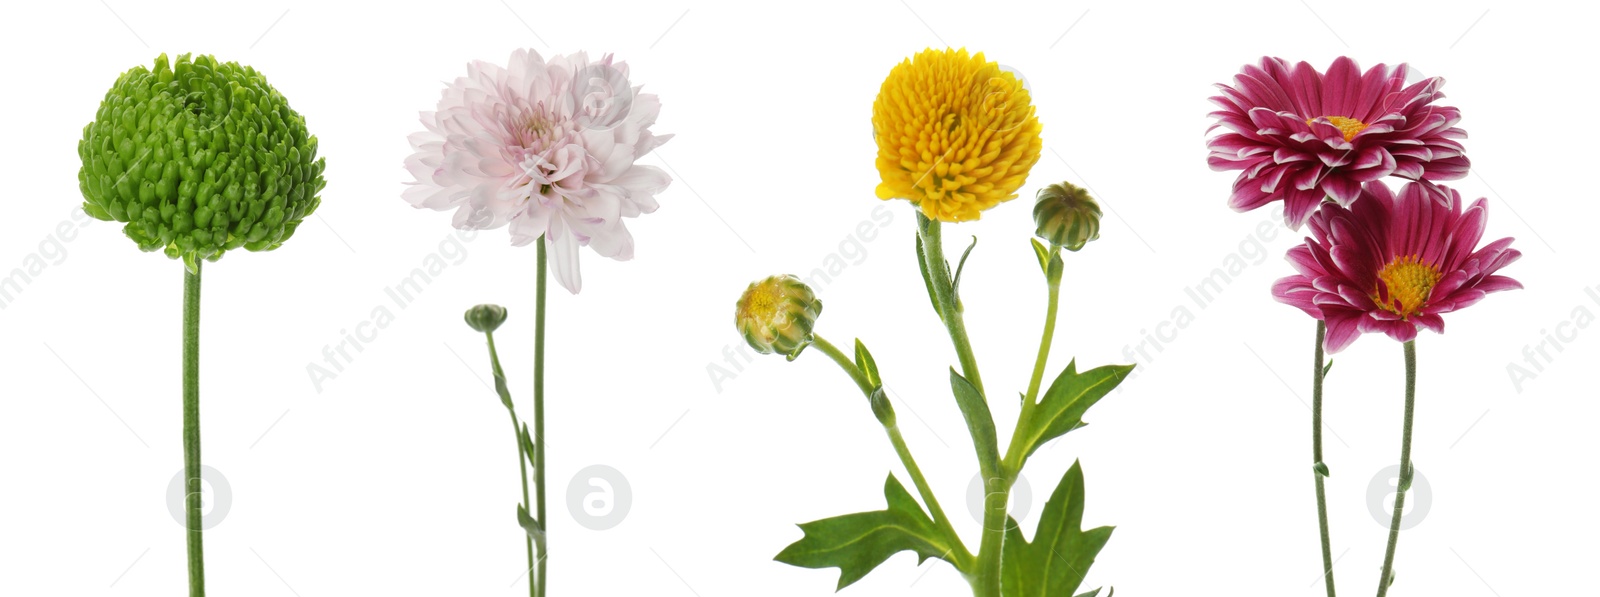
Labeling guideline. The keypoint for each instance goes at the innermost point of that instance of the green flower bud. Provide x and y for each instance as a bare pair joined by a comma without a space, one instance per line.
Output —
199,157
486,318
1067,216
775,315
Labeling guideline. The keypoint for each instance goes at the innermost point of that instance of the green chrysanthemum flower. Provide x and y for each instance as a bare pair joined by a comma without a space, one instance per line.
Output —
198,158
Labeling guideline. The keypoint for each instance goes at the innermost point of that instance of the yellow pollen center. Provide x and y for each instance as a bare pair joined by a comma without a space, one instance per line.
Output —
1349,126
1409,282
761,304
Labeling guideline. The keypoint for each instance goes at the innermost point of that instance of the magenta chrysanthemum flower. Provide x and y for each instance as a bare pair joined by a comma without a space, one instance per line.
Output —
546,147
1300,135
1394,264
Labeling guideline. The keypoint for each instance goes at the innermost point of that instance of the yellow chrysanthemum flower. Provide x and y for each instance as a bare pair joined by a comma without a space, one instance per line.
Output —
956,135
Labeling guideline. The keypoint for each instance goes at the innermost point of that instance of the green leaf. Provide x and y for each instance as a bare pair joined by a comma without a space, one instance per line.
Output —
533,528
1326,368
955,284
1062,407
857,543
527,443
1320,468
1097,592
979,421
1043,254
927,279
1061,552
867,365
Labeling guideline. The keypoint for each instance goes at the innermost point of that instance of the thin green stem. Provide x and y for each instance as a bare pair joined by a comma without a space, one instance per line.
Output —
191,430
962,557
1044,345
522,457
1012,464
849,366
1318,367
538,419
949,304
1405,468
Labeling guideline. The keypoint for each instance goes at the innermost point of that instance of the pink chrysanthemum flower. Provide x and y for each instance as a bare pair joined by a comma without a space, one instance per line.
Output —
1394,264
1300,135
546,147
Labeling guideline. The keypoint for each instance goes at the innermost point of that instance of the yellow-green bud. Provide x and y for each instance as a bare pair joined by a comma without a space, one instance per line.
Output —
1067,216
775,315
486,318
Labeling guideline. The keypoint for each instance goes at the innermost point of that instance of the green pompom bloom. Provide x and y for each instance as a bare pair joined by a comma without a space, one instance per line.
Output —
775,315
1067,216
198,158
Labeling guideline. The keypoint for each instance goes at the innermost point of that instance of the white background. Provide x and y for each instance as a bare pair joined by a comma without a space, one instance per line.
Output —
397,477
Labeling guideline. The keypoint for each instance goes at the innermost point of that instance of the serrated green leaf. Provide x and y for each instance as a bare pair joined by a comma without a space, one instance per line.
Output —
857,543
1062,407
979,421
1061,552
867,365
1043,254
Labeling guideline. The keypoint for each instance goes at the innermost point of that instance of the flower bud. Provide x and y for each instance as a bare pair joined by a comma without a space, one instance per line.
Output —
197,157
775,315
486,318
1067,216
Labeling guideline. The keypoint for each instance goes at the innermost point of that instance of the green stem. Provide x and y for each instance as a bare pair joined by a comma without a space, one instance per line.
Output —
949,304
538,419
986,580
522,457
191,429
962,557
1405,468
1012,464
1316,457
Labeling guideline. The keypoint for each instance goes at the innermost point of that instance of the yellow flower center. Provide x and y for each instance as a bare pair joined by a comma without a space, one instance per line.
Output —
1409,282
1349,126
761,303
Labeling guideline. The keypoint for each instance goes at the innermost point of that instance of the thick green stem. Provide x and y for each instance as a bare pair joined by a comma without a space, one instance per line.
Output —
538,420
949,304
1405,468
986,577
1318,367
522,457
962,558
193,488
